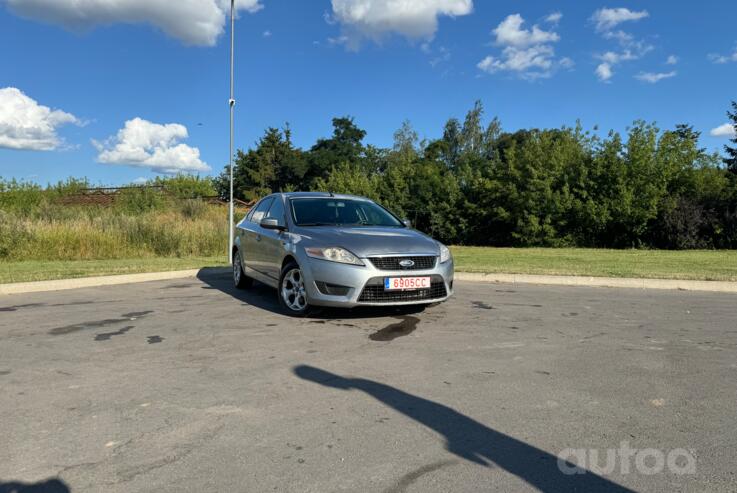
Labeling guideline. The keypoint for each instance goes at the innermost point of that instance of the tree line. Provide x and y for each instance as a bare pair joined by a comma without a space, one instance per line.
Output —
480,185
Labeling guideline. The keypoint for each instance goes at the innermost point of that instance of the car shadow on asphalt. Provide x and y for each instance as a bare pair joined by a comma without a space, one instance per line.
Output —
48,486
472,440
265,298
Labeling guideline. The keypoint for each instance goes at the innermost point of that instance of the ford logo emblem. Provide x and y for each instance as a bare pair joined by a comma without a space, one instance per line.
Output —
407,263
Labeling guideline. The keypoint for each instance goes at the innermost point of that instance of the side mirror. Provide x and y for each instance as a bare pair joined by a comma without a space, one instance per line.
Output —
407,223
271,223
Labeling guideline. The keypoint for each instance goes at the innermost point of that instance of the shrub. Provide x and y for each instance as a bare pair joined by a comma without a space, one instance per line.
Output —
187,186
136,200
13,235
681,226
192,208
19,196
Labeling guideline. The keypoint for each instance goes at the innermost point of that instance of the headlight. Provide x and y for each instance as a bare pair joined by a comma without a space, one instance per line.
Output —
334,254
444,254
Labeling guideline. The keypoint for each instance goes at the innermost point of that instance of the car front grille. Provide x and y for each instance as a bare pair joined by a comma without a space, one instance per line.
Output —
374,292
421,262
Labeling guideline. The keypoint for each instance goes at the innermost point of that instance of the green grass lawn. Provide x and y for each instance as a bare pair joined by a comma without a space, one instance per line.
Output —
45,270
657,264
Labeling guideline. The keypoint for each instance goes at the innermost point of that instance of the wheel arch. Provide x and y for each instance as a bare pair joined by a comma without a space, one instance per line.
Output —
288,259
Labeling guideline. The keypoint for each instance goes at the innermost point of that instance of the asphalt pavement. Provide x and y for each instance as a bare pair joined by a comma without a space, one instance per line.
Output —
189,385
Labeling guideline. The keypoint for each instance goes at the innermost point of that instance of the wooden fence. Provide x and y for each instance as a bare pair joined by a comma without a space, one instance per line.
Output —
107,196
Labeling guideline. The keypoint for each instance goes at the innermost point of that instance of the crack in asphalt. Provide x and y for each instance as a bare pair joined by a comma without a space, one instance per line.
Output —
180,452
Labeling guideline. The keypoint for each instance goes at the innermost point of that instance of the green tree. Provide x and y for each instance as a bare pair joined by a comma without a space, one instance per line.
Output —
274,165
351,179
472,133
187,186
643,186
345,146
731,159
450,148
477,184
405,141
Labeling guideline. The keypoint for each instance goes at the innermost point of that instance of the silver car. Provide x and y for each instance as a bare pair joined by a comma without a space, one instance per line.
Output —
322,249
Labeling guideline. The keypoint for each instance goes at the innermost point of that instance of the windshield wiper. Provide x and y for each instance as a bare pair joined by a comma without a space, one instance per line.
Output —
316,224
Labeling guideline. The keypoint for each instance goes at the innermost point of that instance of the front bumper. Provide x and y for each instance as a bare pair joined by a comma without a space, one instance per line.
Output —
366,278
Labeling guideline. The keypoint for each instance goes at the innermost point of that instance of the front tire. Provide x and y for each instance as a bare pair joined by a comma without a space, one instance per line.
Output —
239,277
292,290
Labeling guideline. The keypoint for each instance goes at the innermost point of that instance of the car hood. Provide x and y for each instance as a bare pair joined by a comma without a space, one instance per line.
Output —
368,241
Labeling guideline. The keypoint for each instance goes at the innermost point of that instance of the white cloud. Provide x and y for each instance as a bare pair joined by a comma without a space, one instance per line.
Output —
631,49
528,52
671,60
488,64
150,145
329,19
443,55
654,78
140,181
604,72
27,125
628,42
554,18
624,39
717,58
340,40
613,58
195,22
726,130
608,19
266,34
566,62
374,19
510,33
520,60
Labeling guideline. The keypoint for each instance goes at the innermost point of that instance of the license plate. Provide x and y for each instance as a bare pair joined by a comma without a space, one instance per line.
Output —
406,283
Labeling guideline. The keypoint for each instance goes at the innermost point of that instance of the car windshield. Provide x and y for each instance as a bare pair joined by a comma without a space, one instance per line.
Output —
329,211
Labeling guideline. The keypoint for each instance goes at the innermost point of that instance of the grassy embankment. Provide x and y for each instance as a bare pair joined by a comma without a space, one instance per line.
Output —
718,265
144,231
699,265
103,242
149,231
43,270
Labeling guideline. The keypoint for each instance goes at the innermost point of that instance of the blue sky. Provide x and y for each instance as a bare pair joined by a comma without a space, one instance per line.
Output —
81,75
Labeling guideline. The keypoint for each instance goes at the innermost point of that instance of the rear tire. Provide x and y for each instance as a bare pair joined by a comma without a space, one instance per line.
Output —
240,280
292,291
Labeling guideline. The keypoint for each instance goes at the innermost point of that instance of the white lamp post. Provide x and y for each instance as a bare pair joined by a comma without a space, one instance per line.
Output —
231,103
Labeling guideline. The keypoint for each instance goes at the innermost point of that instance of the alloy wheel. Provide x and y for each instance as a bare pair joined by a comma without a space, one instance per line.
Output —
293,290
237,271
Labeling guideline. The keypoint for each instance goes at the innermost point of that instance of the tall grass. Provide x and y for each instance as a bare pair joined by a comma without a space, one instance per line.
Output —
144,222
107,234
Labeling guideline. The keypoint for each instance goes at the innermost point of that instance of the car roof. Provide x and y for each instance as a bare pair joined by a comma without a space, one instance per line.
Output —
305,195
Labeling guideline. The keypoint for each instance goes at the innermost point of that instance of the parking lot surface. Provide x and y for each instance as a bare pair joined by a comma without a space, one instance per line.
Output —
189,385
